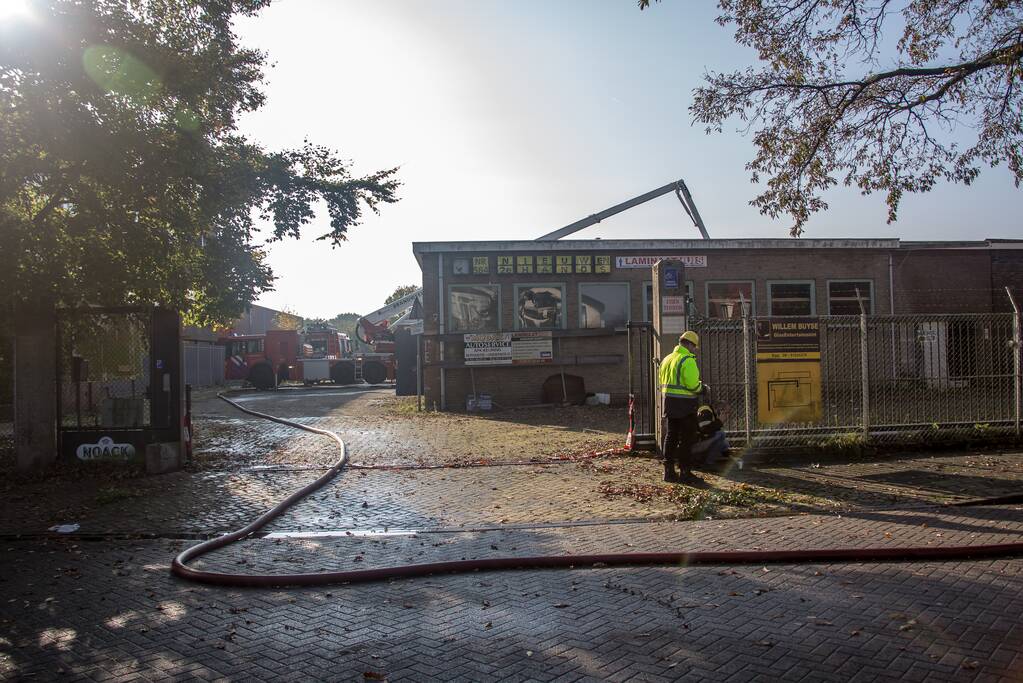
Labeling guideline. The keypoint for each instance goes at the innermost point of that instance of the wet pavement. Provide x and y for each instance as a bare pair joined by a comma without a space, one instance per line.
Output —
83,607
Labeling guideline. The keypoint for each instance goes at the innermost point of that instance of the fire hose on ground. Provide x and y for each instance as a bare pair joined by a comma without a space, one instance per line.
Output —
180,568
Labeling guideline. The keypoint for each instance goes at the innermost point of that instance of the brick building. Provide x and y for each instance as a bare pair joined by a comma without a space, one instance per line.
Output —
568,301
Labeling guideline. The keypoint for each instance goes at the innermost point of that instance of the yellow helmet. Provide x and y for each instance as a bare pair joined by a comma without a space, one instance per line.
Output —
691,337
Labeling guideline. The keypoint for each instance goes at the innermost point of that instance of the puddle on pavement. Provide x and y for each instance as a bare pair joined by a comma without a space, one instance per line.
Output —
341,532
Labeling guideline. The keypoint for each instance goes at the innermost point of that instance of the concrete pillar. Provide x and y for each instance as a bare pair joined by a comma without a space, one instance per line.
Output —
35,386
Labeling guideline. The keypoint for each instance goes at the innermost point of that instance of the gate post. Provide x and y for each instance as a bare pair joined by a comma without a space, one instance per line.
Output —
747,352
35,385
669,293
1017,351
865,373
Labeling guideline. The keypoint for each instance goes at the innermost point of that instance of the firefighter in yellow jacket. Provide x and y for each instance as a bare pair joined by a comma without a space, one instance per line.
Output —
679,379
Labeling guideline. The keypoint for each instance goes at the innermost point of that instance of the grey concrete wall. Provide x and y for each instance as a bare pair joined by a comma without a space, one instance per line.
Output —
35,387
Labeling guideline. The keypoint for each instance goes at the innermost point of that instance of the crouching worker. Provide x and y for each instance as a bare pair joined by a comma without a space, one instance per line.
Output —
679,379
712,448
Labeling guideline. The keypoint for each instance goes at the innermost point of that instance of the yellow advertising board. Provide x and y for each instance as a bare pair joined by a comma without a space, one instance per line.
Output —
788,371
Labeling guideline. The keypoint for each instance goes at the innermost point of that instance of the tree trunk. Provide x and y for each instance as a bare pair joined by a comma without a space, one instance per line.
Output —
35,385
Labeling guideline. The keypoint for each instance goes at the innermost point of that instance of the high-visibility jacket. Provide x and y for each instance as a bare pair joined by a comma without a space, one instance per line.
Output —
679,375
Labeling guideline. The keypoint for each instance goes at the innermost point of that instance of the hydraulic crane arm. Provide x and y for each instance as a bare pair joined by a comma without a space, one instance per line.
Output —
680,189
377,322
395,307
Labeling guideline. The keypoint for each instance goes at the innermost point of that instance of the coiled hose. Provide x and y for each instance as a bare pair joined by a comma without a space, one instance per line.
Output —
180,568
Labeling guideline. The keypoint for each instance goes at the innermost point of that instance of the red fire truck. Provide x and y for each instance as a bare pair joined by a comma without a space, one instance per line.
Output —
319,354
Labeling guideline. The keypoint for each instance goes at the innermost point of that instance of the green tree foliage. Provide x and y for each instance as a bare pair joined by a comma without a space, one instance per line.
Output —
287,319
887,96
123,178
404,290
342,322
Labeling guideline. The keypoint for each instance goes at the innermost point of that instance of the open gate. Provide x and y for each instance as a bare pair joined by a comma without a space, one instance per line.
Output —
642,404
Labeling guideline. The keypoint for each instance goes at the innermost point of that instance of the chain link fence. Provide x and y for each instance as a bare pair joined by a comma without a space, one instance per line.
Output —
6,399
882,380
103,368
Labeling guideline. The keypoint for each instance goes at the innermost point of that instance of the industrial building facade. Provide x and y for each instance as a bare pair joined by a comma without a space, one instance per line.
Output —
503,317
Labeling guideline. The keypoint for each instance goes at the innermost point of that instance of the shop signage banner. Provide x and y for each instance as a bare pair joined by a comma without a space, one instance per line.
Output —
488,349
788,371
509,348
532,348
649,261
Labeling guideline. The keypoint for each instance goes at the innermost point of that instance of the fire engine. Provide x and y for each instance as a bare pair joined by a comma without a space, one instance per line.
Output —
320,353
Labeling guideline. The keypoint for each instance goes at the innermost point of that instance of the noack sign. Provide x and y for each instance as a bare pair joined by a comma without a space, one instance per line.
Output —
105,449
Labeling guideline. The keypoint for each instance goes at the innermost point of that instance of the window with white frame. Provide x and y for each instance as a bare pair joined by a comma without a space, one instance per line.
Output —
539,306
791,298
725,299
474,308
844,296
648,298
603,305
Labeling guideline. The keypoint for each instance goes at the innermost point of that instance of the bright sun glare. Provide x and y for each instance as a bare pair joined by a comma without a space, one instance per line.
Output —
13,8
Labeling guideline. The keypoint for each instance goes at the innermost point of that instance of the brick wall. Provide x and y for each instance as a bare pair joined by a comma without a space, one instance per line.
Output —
1006,271
942,281
522,385
932,280
819,265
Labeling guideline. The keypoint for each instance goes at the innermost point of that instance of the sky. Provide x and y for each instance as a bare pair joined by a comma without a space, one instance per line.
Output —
509,119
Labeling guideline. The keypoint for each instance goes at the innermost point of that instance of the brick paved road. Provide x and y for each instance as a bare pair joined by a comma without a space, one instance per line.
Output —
109,610
225,492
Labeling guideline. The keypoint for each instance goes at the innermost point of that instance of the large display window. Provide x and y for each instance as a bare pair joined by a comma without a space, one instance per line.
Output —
474,308
539,306
603,305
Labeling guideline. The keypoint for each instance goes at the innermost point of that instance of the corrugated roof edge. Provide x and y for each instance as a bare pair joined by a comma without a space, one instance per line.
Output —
618,245
964,244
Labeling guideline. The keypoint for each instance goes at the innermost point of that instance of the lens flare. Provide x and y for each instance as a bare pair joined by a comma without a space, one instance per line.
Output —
10,9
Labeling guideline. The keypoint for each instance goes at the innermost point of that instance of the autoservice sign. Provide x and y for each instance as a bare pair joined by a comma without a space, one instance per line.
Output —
648,261
508,348
488,349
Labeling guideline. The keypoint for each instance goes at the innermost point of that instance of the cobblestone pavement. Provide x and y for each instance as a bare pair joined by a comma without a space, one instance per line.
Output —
108,609
226,488
111,611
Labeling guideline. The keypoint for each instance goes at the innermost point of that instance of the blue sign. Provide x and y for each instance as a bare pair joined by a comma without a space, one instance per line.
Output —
671,278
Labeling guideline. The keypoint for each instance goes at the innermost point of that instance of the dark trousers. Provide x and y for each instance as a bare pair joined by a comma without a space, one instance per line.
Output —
680,433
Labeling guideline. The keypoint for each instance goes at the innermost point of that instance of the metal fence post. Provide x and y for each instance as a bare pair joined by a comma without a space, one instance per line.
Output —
1016,351
747,351
864,373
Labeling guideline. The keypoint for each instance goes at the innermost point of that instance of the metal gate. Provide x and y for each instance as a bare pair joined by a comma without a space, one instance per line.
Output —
119,381
642,404
883,379
406,350
204,364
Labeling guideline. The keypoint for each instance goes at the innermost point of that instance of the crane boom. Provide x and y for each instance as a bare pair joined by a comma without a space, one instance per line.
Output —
393,308
680,189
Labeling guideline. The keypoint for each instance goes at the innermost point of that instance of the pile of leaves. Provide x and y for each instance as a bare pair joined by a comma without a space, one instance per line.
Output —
694,503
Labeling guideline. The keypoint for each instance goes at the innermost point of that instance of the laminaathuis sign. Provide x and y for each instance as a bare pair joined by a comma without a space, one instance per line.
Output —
788,370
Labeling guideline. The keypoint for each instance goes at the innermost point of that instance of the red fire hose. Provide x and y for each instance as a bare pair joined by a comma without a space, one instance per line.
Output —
179,567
